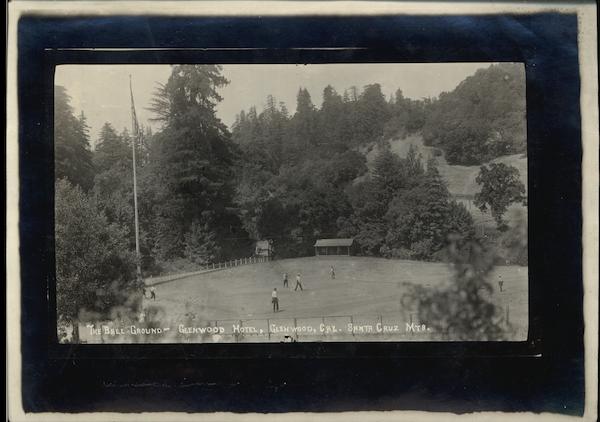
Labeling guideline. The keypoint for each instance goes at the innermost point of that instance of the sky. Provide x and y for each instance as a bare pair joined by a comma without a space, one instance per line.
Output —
102,91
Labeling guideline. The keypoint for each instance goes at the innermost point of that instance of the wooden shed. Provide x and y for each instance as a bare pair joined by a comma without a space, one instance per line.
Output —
264,248
333,247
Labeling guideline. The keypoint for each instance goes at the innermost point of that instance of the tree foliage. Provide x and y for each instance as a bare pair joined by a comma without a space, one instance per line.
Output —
483,118
194,154
407,116
422,217
200,244
374,113
513,244
205,194
464,310
72,155
94,264
111,150
404,210
500,187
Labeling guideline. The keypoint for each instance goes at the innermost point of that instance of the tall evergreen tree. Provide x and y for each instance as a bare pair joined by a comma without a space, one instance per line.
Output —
196,154
72,153
373,113
200,244
331,119
111,150
434,213
303,130
273,123
388,177
113,185
422,216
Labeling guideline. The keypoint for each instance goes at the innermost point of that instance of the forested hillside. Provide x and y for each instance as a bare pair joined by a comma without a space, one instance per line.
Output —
207,192
482,119
304,177
323,150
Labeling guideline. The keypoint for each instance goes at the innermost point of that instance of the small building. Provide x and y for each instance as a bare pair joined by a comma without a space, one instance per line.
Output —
333,247
264,248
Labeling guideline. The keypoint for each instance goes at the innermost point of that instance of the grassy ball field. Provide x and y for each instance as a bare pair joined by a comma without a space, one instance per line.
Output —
365,291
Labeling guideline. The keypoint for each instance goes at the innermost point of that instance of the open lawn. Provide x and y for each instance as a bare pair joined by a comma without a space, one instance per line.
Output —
364,292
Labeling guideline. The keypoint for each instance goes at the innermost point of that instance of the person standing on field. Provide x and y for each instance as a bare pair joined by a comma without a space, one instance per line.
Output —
285,280
500,282
152,293
332,273
275,300
298,284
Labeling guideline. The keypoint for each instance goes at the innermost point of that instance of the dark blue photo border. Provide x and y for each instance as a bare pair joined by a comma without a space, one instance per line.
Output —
544,373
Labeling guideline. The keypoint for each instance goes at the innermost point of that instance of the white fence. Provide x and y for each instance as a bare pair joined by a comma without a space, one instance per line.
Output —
215,266
237,262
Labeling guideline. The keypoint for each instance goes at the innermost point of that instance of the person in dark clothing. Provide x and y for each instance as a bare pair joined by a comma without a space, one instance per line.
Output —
285,280
298,284
500,283
152,293
275,300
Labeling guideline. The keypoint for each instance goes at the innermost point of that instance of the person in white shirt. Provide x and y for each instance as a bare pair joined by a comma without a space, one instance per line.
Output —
275,300
298,284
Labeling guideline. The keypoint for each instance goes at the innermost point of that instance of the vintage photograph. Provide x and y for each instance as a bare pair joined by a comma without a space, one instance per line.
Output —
267,203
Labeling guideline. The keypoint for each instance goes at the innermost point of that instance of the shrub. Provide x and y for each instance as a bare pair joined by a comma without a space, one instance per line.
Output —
95,270
200,244
462,311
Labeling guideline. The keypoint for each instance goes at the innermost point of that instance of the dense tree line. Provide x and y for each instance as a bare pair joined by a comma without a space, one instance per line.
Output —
302,177
185,176
483,118
205,193
73,157
342,122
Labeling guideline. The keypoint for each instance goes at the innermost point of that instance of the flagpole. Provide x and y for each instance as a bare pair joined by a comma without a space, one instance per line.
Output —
135,135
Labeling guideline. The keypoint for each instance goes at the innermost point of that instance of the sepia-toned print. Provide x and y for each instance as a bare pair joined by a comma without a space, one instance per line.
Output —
291,203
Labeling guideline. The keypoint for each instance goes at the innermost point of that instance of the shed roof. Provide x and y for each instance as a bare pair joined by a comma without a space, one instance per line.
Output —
264,244
334,242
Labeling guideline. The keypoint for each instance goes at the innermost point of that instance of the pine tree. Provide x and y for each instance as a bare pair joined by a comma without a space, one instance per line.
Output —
372,114
196,155
72,153
422,216
398,122
113,186
388,177
200,244
273,124
331,119
303,125
111,150
84,129
435,214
